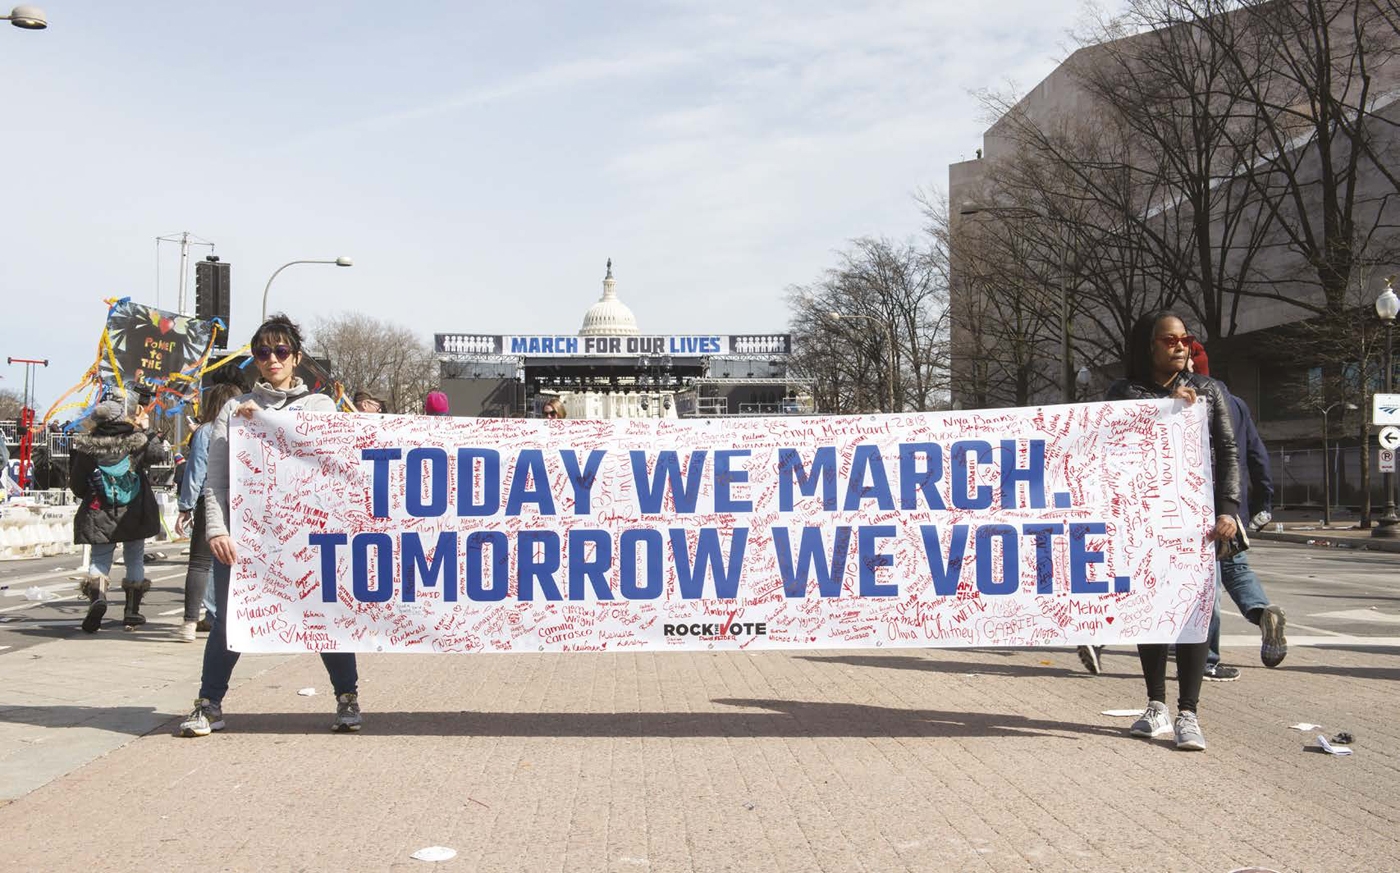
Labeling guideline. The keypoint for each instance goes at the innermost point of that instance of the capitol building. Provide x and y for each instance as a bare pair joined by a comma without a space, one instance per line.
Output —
609,368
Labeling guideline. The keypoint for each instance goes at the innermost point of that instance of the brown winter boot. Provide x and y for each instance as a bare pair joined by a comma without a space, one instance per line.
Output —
94,588
131,614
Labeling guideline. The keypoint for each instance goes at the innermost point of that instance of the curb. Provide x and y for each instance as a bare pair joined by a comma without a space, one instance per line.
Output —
1321,538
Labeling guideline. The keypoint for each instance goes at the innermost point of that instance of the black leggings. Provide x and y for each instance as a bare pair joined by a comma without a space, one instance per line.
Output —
1190,672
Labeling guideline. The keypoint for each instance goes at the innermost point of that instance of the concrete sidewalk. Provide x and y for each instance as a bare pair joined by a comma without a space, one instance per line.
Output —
1306,528
1333,536
826,760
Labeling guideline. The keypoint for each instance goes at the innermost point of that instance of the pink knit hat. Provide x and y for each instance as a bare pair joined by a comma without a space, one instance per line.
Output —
435,403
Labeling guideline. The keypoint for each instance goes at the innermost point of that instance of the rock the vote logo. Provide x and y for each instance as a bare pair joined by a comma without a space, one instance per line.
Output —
1047,526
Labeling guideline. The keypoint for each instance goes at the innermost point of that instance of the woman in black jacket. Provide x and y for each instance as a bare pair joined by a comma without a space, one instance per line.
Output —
116,505
1158,351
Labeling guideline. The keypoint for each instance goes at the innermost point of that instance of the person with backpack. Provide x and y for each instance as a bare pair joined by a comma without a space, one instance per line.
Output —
109,476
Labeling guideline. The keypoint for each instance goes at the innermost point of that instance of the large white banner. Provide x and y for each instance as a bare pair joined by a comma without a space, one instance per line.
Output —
1048,526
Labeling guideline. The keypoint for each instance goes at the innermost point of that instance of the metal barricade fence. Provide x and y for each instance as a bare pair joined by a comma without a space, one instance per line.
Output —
1297,477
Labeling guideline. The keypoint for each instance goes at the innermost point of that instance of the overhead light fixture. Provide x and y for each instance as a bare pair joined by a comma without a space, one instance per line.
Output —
27,17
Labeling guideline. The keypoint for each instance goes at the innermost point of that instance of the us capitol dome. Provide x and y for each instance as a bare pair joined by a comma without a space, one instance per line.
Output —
609,316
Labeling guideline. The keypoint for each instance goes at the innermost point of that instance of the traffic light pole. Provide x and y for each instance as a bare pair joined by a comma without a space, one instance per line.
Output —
26,417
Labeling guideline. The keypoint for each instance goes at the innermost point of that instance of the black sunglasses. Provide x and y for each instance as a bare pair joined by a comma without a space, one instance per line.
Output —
262,353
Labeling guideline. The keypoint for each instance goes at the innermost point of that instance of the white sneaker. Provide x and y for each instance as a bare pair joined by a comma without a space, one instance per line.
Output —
1154,721
185,632
1188,733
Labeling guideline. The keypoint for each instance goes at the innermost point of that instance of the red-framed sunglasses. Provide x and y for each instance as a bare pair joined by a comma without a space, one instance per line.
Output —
1173,341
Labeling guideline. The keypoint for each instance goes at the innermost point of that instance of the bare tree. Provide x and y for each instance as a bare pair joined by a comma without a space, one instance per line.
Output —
1050,271
1008,306
1141,174
876,326
1224,150
386,359
11,404
1180,97
1313,93
1347,354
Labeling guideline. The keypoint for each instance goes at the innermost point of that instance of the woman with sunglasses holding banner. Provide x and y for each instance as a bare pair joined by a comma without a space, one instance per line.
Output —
276,351
1158,352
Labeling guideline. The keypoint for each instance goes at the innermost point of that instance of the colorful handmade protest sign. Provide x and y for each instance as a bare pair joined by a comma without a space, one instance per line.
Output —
148,351
1021,527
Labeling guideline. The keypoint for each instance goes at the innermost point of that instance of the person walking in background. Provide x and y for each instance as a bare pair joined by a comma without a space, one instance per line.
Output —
435,403
116,505
553,408
276,349
1158,352
1236,576
191,505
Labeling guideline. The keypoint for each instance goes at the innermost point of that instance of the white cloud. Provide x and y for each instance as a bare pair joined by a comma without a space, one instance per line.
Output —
480,165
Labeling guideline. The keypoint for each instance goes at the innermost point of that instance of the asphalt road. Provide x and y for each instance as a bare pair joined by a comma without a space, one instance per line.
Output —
25,623
1332,597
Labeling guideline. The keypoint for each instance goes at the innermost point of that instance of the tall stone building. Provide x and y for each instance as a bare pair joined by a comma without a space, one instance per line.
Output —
1258,347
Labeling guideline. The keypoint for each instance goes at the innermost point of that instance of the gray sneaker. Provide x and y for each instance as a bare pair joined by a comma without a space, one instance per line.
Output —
1273,647
1188,733
205,717
1089,657
347,713
1154,721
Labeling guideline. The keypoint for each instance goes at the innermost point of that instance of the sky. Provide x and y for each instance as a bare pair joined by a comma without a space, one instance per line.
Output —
479,162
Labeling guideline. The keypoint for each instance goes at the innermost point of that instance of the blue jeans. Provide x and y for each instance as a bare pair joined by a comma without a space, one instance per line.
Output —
1243,586
133,552
219,661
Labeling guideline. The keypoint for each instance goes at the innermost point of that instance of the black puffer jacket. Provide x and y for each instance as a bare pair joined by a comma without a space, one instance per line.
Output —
97,522
1222,433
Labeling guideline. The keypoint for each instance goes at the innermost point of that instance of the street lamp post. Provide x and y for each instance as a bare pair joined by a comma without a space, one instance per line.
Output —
889,327
1387,307
1326,462
1067,374
339,262
27,18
